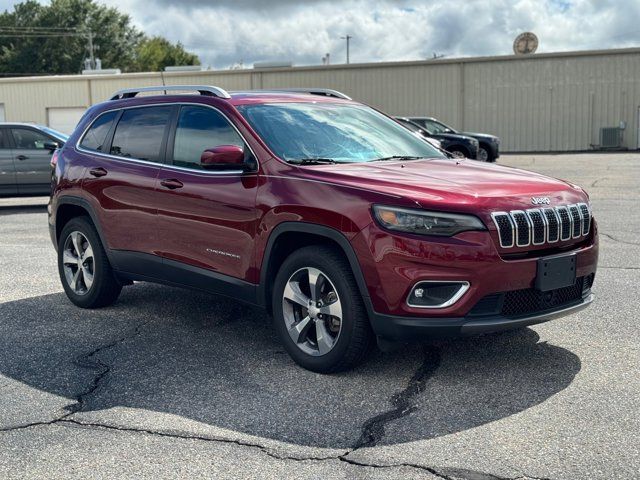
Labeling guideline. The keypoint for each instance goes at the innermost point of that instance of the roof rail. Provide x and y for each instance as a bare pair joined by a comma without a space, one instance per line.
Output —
202,89
325,92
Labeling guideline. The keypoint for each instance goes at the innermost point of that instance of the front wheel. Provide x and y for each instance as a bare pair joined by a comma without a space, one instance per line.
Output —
84,269
457,153
318,311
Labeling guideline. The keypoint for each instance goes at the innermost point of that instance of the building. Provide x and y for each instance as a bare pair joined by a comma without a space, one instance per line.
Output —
540,102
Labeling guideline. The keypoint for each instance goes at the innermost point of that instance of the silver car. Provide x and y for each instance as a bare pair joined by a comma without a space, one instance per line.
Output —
25,158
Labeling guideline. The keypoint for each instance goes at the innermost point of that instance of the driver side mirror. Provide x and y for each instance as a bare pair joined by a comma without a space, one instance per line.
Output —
51,146
223,157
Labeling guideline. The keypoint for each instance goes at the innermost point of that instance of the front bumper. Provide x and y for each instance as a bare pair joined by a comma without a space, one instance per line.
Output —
412,328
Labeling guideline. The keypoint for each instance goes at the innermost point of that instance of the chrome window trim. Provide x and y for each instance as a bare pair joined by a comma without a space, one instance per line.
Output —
532,228
513,232
555,214
160,164
526,218
464,287
586,224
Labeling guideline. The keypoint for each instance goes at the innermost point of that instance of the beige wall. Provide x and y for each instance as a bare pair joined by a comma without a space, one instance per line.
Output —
544,102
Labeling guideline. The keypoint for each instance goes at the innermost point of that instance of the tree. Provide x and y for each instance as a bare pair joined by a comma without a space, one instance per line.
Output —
156,53
54,39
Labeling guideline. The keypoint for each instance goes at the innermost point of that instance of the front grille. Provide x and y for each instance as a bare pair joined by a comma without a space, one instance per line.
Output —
553,225
530,301
539,226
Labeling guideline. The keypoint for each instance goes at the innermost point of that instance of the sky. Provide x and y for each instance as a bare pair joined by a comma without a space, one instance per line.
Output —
225,32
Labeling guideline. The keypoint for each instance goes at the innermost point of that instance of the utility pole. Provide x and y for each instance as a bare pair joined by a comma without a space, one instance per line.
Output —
348,39
92,58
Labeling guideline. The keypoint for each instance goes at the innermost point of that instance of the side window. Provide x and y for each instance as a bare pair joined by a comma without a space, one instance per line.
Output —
140,132
198,129
3,139
97,134
25,138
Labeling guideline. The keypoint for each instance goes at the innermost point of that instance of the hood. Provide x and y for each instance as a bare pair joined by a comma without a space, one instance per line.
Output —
484,136
453,136
453,184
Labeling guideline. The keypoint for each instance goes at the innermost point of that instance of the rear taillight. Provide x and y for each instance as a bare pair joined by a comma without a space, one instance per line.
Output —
54,158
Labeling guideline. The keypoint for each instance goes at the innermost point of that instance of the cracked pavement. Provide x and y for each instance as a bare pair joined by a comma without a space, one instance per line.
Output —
173,384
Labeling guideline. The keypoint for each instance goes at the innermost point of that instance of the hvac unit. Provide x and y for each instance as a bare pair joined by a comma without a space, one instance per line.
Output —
611,137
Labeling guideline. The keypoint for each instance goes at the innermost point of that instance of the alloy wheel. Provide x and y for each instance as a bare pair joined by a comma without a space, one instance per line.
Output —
483,155
78,263
312,311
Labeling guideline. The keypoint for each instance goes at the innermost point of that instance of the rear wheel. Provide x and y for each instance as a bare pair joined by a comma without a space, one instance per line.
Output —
318,311
483,155
84,269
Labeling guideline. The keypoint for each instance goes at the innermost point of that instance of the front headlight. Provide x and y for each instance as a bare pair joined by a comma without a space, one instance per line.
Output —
423,222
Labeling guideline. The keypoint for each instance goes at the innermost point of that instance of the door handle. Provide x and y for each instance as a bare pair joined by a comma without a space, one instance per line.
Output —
172,183
22,157
98,172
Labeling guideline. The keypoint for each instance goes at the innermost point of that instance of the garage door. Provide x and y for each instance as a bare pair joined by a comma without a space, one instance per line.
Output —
64,119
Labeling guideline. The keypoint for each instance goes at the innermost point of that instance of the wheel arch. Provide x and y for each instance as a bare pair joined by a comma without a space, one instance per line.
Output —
300,234
70,207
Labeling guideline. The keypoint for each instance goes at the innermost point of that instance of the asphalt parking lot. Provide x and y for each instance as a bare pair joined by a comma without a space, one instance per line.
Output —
173,384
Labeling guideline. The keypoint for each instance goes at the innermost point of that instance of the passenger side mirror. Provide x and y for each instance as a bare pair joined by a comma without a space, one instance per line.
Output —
223,157
51,146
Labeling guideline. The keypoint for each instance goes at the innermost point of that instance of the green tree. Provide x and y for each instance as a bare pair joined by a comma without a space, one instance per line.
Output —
54,39
156,53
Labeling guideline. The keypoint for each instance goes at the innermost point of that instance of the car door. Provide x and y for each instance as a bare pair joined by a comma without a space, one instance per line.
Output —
7,170
206,218
124,151
32,160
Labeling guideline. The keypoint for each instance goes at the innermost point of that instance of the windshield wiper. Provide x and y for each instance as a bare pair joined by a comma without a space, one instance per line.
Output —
312,161
396,157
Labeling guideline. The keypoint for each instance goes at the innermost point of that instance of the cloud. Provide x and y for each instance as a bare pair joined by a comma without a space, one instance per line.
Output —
227,31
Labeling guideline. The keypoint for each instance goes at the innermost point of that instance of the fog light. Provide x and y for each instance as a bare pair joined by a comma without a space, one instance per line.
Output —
436,294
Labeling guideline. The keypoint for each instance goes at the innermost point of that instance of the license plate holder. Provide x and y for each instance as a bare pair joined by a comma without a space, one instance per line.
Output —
556,272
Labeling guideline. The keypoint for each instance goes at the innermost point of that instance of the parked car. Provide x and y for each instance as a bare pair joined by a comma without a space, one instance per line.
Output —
419,132
338,221
459,146
489,149
25,158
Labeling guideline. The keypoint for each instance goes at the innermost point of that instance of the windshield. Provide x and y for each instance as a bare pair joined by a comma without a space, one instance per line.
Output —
410,125
55,133
435,127
338,132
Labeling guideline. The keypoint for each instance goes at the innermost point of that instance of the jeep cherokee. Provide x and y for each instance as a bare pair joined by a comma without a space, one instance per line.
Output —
329,214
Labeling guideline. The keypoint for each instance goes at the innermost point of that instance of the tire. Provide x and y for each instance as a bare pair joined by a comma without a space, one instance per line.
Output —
95,284
458,152
483,154
324,344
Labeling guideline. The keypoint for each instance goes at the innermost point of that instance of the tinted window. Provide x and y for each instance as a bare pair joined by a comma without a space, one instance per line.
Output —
200,128
97,134
140,132
3,140
29,139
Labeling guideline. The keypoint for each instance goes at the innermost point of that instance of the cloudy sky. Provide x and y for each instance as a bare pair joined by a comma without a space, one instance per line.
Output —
224,32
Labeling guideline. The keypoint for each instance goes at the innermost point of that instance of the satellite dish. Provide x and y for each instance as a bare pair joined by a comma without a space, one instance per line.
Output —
525,43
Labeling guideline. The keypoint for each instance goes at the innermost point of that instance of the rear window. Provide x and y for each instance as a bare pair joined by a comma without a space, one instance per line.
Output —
140,132
97,134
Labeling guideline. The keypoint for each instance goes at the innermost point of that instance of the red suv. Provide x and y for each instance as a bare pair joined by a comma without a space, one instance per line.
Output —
335,218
